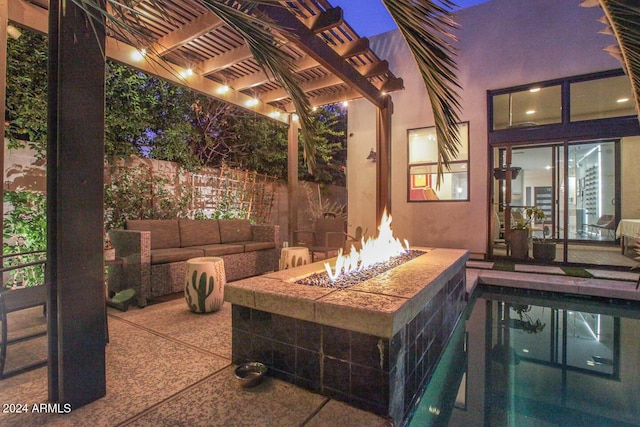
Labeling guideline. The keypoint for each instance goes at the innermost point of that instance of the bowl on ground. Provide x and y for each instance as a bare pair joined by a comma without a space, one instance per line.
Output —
250,374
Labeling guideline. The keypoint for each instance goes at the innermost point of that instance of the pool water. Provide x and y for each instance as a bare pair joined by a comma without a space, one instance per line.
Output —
537,359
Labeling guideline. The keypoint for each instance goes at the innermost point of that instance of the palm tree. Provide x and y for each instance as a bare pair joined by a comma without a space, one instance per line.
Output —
623,17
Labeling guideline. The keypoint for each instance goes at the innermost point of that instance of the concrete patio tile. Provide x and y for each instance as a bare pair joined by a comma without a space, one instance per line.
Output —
336,413
541,282
529,268
617,275
220,401
480,264
609,289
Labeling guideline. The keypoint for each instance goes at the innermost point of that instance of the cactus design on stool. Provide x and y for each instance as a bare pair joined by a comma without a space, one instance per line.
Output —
201,290
204,284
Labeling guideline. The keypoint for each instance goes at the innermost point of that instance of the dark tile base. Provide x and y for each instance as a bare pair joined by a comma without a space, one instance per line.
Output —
380,375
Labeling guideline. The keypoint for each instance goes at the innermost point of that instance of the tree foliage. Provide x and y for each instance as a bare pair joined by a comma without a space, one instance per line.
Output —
150,117
26,97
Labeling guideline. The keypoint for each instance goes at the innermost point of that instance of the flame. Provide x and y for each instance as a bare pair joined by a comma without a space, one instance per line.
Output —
374,250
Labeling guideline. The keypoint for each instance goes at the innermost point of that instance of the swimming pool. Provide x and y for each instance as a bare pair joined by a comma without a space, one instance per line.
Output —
528,358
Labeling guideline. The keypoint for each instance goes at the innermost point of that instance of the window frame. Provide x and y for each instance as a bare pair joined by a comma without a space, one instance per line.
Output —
433,164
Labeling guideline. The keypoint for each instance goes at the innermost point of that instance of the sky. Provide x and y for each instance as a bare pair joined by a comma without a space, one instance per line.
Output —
370,17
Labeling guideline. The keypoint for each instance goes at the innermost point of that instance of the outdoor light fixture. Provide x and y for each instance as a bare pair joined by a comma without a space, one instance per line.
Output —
252,102
186,73
372,156
138,54
222,89
13,32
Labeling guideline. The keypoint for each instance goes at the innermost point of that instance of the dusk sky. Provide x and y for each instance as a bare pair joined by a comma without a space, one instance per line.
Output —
370,17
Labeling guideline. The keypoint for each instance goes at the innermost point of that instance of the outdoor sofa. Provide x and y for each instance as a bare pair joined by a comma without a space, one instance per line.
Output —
153,253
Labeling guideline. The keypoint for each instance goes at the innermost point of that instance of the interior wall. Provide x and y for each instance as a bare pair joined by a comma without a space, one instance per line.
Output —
630,178
503,43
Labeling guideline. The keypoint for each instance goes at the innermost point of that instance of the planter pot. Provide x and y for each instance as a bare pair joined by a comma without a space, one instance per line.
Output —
204,284
544,251
519,241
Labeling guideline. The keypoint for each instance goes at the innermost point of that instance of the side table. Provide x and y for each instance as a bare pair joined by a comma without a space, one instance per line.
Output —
294,256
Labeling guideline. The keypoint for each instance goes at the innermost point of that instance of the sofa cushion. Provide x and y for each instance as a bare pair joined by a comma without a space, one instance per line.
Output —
197,232
235,230
221,249
165,233
163,256
251,246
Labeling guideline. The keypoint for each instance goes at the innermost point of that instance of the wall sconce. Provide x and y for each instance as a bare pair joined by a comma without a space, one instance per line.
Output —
372,156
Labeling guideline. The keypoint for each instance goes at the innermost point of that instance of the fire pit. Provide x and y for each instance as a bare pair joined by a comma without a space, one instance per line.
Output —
352,278
374,344
371,331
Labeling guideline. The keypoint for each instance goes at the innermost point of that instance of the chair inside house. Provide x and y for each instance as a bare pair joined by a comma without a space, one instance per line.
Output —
605,222
329,236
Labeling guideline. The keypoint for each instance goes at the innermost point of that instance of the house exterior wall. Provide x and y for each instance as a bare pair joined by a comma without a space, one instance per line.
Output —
502,43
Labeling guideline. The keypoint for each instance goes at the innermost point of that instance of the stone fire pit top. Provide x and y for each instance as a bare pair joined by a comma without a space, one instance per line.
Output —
379,306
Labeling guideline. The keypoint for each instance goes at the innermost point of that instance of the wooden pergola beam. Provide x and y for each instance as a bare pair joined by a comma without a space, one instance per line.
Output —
255,79
324,54
194,29
280,93
354,48
326,20
37,19
225,60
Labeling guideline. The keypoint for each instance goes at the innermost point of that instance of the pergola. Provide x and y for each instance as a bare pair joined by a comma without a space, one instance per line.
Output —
192,47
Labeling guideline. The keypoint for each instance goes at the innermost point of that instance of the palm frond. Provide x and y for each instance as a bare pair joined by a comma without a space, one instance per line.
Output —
624,19
128,24
258,32
427,26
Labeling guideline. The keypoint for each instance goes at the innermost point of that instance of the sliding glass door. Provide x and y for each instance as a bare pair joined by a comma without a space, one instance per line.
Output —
592,191
579,198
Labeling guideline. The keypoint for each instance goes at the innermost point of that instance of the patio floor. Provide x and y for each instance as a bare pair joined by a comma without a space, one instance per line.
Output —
169,367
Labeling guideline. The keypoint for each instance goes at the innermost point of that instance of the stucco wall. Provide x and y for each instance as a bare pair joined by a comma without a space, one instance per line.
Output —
502,43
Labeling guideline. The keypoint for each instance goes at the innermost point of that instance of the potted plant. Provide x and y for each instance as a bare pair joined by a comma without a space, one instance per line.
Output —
544,250
521,231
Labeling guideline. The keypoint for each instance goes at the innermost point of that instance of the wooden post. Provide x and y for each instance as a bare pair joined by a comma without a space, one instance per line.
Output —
383,160
76,313
292,177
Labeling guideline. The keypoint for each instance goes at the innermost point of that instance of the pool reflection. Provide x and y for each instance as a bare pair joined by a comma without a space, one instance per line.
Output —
537,359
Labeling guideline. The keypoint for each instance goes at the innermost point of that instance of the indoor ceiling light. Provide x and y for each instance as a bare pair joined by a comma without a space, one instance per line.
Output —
529,112
621,100
252,102
534,89
222,89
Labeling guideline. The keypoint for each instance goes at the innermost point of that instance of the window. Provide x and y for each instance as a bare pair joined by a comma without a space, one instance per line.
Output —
534,106
602,98
423,165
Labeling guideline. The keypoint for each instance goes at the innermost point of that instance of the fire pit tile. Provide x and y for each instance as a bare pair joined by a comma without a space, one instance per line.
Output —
359,311
297,273
276,296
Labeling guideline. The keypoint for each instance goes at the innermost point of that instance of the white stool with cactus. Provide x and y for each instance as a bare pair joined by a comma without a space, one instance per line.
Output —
204,284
